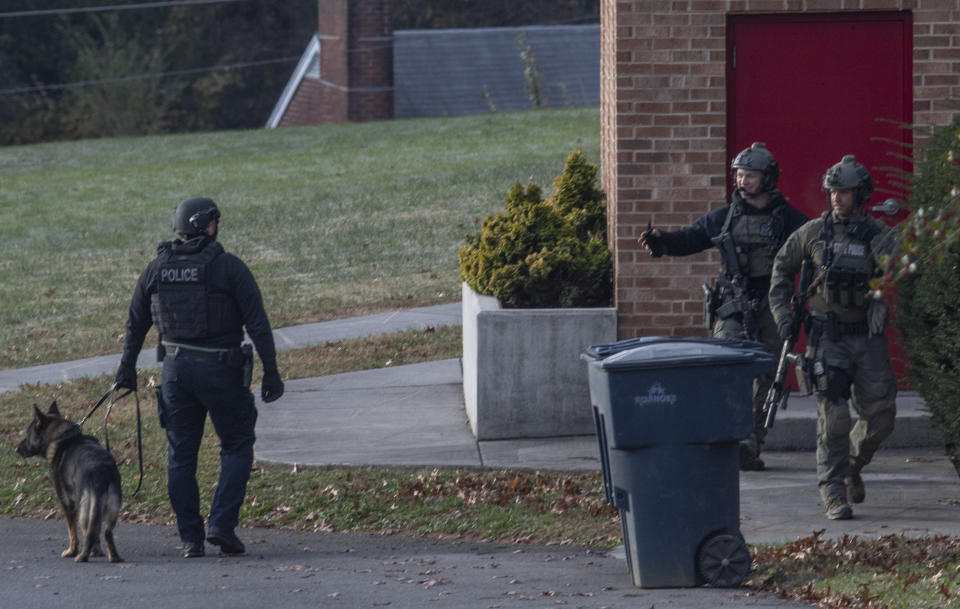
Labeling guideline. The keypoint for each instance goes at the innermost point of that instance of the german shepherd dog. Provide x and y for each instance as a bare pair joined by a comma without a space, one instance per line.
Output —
85,477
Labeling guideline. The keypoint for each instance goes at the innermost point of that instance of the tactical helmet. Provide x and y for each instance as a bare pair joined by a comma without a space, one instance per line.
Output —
193,216
848,173
758,158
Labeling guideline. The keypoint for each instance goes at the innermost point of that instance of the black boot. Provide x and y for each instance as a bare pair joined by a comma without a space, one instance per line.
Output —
750,461
228,541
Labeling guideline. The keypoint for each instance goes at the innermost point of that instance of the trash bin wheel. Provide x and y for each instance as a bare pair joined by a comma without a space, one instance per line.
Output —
724,560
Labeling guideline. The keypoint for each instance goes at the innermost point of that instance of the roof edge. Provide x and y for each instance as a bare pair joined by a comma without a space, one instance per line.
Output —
280,108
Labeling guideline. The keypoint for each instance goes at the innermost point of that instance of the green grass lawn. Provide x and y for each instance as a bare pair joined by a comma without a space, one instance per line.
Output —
333,220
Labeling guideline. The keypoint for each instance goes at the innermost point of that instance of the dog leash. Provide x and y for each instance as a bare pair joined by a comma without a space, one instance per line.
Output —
106,435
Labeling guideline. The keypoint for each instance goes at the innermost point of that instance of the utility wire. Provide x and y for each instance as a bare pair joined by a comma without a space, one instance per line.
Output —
109,7
71,85
103,81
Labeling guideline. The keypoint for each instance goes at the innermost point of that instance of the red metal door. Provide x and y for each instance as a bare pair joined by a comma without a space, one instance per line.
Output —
815,87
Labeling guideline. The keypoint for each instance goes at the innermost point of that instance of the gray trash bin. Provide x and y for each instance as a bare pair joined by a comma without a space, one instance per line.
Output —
669,415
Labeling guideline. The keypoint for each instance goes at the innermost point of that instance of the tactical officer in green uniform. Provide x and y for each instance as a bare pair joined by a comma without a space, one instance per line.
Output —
846,348
748,232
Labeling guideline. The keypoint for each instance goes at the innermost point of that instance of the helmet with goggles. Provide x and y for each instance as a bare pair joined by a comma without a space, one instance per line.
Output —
758,158
849,174
193,216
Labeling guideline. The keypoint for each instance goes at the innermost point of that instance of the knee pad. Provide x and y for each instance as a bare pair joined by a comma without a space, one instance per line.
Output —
884,420
838,385
837,420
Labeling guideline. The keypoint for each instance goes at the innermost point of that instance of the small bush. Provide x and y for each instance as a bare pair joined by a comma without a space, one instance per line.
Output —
545,253
927,271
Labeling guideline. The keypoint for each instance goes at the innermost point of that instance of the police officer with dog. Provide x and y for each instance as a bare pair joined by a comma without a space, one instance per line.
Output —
201,299
846,348
748,232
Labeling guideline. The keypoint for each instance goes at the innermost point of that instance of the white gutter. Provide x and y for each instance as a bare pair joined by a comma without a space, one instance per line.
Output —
306,60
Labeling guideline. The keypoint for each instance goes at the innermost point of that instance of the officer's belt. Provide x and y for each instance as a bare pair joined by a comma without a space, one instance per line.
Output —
855,328
755,290
859,327
734,306
751,303
219,354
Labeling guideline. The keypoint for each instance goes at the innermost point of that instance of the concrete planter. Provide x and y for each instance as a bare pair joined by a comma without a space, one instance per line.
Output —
522,372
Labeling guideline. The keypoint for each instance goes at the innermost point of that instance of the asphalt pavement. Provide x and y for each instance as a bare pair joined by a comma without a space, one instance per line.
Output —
414,416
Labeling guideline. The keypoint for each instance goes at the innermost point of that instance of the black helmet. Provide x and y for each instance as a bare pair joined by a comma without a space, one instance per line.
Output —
758,158
193,215
848,173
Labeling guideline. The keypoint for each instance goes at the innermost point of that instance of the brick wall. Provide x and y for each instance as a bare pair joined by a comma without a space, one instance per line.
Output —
314,104
936,61
663,126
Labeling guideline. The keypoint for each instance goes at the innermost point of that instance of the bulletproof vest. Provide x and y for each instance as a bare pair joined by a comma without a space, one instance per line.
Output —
184,307
845,268
757,238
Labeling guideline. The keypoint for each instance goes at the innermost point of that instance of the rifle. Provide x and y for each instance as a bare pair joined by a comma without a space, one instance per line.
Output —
779,392
737,284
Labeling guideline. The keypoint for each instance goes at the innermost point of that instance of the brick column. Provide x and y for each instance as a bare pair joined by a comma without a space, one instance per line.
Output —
663,151
356,60
608,115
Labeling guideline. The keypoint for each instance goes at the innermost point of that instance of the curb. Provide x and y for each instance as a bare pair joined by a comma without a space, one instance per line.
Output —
796,427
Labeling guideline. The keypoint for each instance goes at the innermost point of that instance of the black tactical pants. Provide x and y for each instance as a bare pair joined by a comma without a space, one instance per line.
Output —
195,385
732,327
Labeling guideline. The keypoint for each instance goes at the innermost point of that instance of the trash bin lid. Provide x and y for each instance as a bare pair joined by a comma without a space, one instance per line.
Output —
675,354
606,350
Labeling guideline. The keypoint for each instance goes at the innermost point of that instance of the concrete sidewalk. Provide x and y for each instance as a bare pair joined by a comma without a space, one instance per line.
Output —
285,338
414,415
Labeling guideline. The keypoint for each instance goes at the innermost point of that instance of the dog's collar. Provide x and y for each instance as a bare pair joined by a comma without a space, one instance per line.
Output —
71,433
54,448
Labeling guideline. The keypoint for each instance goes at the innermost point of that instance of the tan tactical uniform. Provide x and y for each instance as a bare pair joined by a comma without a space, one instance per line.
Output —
847,362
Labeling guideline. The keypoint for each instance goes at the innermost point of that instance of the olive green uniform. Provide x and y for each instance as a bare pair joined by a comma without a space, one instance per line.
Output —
847,361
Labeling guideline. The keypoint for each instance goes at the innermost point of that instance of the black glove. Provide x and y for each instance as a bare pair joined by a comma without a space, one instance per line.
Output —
126,377
654,241
784,326
877,313
271,388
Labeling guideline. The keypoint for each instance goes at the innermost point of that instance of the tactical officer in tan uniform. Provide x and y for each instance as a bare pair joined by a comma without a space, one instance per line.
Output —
846,349
749,231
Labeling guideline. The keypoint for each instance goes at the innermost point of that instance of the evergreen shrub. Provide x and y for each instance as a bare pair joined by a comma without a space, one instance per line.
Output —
928,269
545,253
